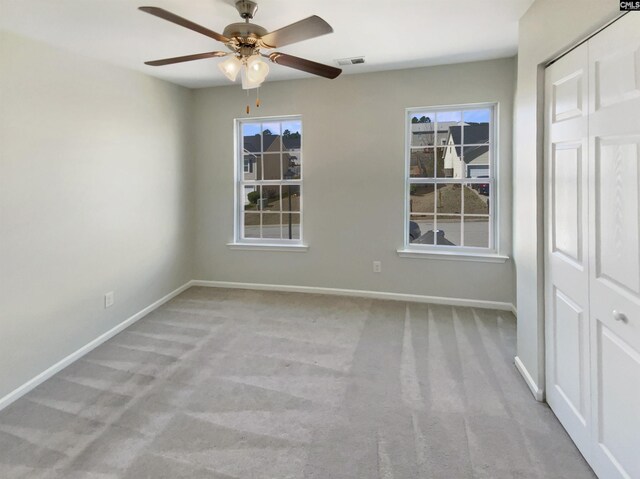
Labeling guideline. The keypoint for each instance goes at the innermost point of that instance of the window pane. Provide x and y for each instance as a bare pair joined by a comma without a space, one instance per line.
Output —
251,143
476,130
477,116
291,226
271,198
423,129
422,198
449,199
271,165
421,229
271,140
250,166
252,225
448,232
259,198
251,197
476,161
453,116
291,198
476,231
422,163
291,130
453,166
476,199
271,225
449,128
442,169
250,129
291,164
476,134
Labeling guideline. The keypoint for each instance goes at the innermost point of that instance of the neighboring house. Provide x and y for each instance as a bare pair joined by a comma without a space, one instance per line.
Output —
291,157
250,165
424,134
428,134
273,144
270,150
252,149
469,161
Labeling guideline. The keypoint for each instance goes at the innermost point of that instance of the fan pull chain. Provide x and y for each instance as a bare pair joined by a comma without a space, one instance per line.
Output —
258,97
248,108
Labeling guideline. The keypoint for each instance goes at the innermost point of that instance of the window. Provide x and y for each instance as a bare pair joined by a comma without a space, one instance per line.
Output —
451,179
269,181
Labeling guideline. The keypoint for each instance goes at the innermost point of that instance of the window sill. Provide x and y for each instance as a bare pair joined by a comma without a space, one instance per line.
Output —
295,248
452,256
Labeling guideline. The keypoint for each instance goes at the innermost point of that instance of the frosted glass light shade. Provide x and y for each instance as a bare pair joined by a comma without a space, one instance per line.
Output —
247,82
230,67
257,70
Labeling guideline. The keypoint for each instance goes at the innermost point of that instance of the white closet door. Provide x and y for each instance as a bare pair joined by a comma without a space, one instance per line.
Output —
567,262
614,251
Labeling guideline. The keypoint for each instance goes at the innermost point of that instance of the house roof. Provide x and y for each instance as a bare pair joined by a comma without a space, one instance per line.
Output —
476,155
474,133
252,143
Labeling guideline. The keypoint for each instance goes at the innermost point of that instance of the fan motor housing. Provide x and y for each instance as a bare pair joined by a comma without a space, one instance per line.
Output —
245,32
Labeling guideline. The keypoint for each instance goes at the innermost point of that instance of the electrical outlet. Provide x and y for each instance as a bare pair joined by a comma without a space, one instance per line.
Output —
109,299
377,266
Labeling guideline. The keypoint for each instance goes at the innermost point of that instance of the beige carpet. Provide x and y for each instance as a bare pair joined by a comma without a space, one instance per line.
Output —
255,385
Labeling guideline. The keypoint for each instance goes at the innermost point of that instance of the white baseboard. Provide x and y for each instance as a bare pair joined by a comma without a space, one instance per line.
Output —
63,363
417,298
537,392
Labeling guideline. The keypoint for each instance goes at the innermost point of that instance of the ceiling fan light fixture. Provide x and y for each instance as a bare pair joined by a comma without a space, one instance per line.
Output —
248,83
230,67
257,70
245,40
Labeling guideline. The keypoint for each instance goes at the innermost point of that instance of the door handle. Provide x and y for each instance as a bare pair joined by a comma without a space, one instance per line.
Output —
618,316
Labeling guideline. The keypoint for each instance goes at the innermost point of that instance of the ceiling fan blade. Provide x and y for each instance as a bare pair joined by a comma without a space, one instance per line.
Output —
311,27
183,22
305,65
186,58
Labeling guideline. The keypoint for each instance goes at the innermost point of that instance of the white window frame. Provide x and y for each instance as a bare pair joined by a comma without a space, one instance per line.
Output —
489,254
275,244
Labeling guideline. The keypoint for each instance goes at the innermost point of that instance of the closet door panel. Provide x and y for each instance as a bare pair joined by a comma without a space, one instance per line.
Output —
616,75
567,207
617,250
618,427
566,256
614,247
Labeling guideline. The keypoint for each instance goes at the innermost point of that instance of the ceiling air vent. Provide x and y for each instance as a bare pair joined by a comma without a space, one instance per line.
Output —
350,61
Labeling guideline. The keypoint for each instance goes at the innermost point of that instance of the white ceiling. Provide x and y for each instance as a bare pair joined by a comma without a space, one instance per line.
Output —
391,34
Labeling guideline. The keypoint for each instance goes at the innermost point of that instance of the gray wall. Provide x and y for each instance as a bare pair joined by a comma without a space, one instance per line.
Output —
546,30
354,181
94,197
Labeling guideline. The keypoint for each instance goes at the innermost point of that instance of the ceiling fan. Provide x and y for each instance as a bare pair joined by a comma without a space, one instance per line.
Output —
246,42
